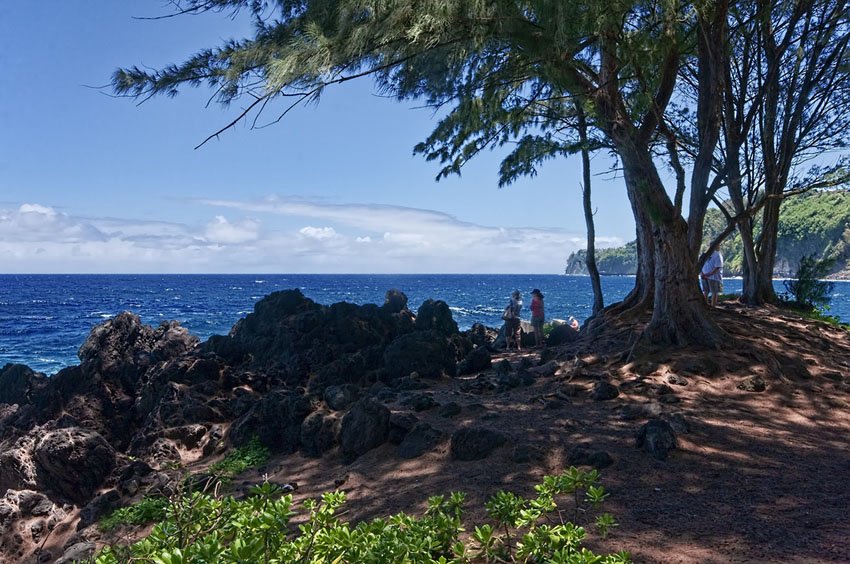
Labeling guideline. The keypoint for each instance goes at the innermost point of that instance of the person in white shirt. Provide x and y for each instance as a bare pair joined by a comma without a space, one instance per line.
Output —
712,277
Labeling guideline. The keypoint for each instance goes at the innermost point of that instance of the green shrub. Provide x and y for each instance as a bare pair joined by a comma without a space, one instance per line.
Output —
240,459
807,288
147,510
205,528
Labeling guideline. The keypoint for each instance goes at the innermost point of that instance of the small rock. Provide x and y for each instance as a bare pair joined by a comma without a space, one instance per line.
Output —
421,439
657,438
449,409
475,443
679,423
411,382
81,551
669,399
420,402
604,391
526,378
555,404
753,384
663,389
584,455
526,453
677,380
570,390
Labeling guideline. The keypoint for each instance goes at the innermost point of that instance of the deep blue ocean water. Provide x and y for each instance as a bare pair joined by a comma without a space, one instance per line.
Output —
45,318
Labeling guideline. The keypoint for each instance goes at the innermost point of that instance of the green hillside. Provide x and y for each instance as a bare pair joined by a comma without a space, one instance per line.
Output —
817,223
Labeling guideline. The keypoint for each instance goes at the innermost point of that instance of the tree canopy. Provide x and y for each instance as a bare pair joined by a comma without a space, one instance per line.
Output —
507,71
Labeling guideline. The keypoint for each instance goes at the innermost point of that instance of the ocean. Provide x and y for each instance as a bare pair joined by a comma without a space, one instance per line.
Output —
45,318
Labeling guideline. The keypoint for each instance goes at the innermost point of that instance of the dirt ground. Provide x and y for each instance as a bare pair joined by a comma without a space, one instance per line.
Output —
758,477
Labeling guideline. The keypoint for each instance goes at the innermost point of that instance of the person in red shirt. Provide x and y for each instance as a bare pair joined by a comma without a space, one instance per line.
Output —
537,316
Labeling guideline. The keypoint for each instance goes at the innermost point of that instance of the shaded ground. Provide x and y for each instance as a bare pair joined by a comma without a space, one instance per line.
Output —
760,476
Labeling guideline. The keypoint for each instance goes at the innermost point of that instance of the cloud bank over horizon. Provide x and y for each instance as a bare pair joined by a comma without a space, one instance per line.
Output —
279,235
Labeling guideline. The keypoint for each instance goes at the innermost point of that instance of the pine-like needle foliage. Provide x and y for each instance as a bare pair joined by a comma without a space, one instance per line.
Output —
506,70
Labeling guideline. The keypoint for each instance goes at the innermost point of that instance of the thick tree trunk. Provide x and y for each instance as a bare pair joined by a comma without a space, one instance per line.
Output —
764,292
749,293
592,270
679,313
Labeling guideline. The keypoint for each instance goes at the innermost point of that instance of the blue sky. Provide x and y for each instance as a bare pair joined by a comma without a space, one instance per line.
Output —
91,183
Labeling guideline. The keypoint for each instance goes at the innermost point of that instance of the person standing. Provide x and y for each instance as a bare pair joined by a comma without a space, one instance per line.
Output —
712,277
512,325
538,316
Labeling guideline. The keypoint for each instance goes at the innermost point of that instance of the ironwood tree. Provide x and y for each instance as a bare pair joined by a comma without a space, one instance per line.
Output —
786,94
618,59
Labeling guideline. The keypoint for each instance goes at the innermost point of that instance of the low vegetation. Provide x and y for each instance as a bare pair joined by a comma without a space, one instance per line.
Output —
206,528
252,455
147,510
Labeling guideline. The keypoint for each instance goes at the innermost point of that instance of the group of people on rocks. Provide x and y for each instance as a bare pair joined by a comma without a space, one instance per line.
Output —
511,316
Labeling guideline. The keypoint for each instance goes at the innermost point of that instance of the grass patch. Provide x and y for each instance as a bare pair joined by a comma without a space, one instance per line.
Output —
240,459
147,510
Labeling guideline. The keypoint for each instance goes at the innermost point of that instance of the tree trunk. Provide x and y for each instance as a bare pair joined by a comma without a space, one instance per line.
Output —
767,251
592,270
679,313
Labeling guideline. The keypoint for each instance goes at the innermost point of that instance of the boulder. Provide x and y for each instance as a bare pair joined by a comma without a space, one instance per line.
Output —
73,462
18,383
481,335
395,301
476,361
364,427
318,433
275,420
475,443
400,426
420,440
123,347
339,398
657,438
435,315
17,469
424,352
561,335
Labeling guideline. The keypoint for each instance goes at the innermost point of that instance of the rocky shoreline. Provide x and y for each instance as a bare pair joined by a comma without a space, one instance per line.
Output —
143,401
393,405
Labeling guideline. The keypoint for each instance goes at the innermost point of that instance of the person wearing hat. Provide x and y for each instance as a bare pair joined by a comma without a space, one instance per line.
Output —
537,316
512,325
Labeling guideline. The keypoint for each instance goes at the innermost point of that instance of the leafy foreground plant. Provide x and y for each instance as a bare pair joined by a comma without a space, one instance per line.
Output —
210,529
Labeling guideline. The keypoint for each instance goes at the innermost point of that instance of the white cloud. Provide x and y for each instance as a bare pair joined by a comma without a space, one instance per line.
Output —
223,232
318,233
330,238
